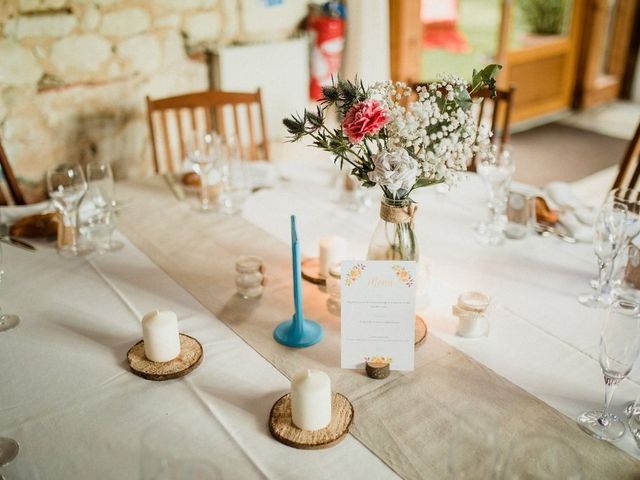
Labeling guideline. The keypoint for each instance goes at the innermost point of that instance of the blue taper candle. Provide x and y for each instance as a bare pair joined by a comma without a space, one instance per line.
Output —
299,331
297,277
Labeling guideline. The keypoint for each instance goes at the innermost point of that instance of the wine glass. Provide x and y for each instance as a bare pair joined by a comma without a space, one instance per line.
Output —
7,320
99,220
609,235
66,185
619,349
496,172
235,187
203,152
9,449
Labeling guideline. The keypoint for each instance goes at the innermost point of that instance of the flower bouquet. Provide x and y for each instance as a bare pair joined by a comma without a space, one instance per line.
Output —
400,141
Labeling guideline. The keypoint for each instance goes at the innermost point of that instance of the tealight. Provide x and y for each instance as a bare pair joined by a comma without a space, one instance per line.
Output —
161,336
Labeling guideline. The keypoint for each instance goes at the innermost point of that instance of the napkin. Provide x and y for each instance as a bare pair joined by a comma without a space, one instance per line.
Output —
561,194
13,213
576,228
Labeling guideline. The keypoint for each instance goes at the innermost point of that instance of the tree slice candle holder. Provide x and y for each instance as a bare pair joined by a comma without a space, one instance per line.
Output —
311,271
282,428
421,331
191,354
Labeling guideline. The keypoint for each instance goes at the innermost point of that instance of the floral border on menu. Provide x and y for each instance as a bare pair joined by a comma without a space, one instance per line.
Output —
354,274
402,274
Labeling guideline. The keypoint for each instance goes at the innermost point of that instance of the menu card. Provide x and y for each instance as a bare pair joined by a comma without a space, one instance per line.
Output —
378,313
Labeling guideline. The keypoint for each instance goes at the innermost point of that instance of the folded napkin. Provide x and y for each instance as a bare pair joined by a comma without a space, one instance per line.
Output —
12,214
561,194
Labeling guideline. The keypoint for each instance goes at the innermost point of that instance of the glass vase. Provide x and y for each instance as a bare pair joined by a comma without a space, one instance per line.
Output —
394,238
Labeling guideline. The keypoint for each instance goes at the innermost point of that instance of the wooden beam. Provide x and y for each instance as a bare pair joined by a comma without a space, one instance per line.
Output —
405,35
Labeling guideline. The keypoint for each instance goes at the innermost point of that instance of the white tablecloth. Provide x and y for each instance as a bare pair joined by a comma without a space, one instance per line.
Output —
77,412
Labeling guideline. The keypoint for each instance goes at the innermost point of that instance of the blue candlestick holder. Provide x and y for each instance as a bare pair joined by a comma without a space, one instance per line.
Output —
298,332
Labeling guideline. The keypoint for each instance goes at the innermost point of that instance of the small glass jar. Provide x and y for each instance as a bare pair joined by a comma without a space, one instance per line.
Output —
249,278
333,289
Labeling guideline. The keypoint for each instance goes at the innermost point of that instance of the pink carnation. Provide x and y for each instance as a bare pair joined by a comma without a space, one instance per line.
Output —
364,118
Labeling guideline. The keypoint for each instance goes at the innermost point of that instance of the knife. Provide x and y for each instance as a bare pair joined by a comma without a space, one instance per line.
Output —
16,242
175,187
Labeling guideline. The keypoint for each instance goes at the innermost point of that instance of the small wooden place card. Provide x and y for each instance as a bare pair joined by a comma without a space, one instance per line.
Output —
282,428
190,357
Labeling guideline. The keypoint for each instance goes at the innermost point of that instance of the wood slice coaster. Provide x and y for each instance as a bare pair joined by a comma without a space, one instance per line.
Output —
190,357
421,331
310,269
282,428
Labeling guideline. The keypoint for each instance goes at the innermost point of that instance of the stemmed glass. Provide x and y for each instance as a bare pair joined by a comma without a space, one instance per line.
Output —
609,234
619,349
234,182
8,446
7,320
66,185
100,222
496,172
9,449
204,152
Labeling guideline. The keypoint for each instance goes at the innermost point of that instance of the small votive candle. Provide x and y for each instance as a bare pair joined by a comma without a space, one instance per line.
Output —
249,278
311,400
333,249
161,336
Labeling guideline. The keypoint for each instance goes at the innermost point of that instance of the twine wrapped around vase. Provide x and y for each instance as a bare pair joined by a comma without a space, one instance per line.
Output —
394,214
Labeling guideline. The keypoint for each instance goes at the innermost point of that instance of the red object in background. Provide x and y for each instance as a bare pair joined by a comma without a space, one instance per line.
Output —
326,51
440,26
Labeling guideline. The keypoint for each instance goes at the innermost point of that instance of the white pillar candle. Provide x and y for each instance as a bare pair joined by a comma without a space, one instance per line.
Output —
161,336
333,250
311,400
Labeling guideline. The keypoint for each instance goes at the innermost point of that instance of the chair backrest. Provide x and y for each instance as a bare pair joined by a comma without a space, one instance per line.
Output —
15,194
629,170
498,108
172,120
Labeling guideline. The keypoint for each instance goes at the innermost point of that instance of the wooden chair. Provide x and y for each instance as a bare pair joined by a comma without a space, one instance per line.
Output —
498,109
15,194
172,119
629,170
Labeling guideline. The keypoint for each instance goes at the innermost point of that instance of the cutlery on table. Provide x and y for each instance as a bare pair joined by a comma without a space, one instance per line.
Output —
6,237
545,230
175,187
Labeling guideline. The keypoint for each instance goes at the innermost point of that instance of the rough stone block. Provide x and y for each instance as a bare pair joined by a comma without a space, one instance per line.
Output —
202,27
186,5
168,21
90,19
125,22
18,65
41,26
79,55
174,49
40,5
142,54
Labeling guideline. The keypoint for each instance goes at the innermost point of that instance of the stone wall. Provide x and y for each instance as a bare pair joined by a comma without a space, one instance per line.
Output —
74,73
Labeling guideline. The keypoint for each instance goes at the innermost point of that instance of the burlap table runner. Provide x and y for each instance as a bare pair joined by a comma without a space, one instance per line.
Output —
408,420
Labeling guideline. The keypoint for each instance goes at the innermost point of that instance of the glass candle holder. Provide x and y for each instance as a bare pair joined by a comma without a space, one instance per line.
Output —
333,289
249,277
333,282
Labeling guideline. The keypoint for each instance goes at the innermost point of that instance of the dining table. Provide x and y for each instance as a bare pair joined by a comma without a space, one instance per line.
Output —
68,396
